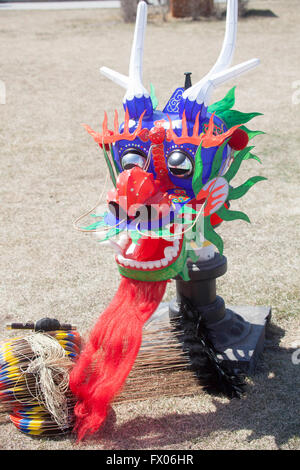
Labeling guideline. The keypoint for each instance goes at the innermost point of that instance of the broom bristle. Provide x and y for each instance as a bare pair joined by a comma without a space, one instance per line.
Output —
111,350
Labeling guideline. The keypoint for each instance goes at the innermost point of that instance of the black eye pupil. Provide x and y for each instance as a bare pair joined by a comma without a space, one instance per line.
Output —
180,164
132,158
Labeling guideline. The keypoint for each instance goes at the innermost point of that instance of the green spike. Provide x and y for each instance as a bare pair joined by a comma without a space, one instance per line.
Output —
186,209
252,156
217,161
110,168
191,254
163,232
185,273
113,159
95,225
236,193
228,215
232,117
212,236
135,236
153,96
250,133
235,165
197,178
99,215
223,105
112,233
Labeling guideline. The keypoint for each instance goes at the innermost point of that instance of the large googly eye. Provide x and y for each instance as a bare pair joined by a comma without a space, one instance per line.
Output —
132,158
180,164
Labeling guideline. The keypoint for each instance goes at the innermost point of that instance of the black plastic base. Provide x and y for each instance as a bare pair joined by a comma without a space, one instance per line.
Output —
236,333
240,352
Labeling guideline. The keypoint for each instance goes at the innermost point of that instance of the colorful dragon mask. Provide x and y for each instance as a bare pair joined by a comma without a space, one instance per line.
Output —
172,169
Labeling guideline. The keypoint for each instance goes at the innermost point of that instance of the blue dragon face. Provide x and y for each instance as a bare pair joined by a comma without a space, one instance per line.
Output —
179,158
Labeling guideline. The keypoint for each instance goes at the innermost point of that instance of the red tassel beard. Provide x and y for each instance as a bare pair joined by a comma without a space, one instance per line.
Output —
109,355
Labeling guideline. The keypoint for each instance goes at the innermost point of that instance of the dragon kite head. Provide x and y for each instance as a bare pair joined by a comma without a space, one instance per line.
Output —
172,169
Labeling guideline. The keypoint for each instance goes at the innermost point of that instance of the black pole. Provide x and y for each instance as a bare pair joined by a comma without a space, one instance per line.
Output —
200,291
188,81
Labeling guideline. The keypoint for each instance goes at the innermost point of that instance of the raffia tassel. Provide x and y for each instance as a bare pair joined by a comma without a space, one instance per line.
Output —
51,370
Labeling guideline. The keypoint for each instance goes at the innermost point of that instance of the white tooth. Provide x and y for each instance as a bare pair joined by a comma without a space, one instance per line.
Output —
168,252
143,265
164,262
150,264
157,264
176,244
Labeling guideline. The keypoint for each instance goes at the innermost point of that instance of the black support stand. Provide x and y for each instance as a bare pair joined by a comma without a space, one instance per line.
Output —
237,333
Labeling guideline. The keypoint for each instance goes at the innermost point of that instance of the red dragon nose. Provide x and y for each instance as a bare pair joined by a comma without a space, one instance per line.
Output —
136,190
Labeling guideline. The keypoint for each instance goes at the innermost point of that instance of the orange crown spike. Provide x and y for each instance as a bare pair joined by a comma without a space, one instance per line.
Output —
217,140
109,137
184,133
104,125
196,126
126,122
116,122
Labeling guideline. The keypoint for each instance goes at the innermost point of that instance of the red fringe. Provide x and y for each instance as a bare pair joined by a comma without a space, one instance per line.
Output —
109,355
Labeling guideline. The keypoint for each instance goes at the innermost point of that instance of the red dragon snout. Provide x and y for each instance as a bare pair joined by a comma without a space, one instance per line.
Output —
138,195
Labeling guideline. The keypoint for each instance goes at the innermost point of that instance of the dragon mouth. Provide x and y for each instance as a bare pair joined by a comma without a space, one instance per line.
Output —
148,254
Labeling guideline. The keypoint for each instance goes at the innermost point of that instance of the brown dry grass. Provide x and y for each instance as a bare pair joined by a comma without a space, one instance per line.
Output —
52,172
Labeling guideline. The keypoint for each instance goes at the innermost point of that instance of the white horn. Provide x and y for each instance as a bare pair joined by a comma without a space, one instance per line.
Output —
133,82
220,73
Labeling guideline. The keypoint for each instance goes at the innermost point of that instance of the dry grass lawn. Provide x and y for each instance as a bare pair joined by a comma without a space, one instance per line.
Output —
51,172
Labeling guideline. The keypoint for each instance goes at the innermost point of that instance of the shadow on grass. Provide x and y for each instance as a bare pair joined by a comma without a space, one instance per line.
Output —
256,13
270,408
264,13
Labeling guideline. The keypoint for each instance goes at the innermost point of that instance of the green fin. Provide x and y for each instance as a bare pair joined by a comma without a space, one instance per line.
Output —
111,233
110,168
252,156
250,133
217,161
186,209
236,193
99,215
232,117
185,273
135,236
191,254
223,105
113,159
197,178
212,236
153,96
163,232
235,165
95,225
228,215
